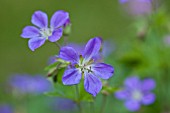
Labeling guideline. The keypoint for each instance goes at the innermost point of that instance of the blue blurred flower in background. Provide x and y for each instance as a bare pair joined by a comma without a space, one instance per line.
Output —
52,59
136,92
5,108
30,84
137,7
39,35
167,40
63,104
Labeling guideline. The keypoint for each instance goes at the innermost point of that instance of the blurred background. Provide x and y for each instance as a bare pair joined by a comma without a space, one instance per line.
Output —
137,49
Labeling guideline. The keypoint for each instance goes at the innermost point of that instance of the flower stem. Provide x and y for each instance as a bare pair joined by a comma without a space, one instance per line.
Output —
65,40
104,100
78,102
92,110
58,45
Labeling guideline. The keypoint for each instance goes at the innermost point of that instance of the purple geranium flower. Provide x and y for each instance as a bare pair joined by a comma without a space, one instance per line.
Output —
39,35
30,84
85,65
5,108
136,92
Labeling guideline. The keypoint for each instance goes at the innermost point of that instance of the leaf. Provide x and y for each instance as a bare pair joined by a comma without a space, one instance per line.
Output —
69,92
63,91
51,66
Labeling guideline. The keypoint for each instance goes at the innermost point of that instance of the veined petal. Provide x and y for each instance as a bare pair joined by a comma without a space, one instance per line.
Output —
148,98
36,42
132,105
102,70
71,76
92,48
92,84
56,35
30,32
58,19
40,19
148,84
132,82
69,54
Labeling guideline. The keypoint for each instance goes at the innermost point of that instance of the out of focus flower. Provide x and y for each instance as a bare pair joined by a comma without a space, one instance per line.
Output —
167,40
30,84
4,108
52,59
84,64
39,35
136,92
137,7
63,104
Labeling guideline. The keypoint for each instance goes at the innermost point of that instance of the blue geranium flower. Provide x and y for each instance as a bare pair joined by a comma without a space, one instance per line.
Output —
84,64
39,35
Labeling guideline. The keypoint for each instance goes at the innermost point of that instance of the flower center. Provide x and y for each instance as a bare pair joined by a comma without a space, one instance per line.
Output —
84,66
46,32
137,95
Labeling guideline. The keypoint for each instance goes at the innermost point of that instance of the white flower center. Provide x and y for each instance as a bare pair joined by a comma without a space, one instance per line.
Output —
84,66
46,32
137,95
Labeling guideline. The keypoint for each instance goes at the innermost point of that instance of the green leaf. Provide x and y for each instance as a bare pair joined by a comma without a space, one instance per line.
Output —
63,91
51,66
69,92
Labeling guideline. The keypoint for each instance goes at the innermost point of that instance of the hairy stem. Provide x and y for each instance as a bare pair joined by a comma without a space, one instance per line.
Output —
65,40
104,100
78,97
58,45
92,110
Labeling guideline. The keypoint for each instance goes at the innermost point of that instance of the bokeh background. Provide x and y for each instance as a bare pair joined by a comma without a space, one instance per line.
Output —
89,18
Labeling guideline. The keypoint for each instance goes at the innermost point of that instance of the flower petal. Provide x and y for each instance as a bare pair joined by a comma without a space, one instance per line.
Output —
69,54
92,48
40,19
103,70
71,76
30,32
148,84
92,84
56,35
132,105
58,19
132,82
122,94
148,98
35,43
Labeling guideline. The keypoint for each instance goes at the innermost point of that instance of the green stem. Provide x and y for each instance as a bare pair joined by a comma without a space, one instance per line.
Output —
92,110
104,100
78,97
58,45
65,40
